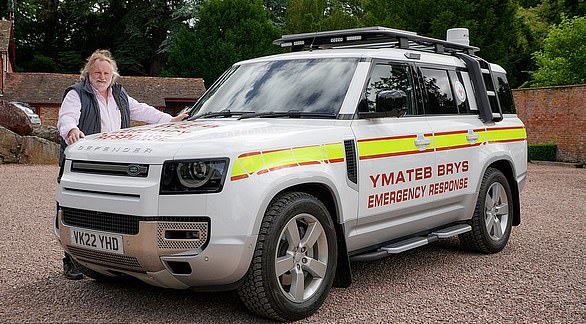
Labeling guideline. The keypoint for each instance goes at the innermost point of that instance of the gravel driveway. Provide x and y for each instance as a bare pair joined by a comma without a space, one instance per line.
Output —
540,277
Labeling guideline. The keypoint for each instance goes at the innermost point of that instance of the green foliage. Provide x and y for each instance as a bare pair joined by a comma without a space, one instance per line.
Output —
229,31
553,11
70,61
277,10
4,9
305,16
146,36
563,58
135,31
542,152
529,3
181,60
494,25
41,63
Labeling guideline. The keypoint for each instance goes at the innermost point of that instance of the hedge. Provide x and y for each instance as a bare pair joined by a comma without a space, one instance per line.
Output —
542,152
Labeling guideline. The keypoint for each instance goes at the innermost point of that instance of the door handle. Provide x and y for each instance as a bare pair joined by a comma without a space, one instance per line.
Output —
472,137
422,142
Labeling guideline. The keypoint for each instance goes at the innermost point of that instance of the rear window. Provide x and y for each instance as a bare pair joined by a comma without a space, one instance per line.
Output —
439,92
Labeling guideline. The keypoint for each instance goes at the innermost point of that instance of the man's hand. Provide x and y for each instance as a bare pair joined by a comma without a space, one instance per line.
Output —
74,135
181,116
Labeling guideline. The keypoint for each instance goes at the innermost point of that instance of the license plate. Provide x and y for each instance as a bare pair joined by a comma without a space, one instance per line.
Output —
99,241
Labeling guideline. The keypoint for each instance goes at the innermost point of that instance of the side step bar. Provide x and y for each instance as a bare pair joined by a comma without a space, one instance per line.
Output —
411,243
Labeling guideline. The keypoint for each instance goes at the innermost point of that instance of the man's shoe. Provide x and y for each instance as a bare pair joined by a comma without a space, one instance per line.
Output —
70,269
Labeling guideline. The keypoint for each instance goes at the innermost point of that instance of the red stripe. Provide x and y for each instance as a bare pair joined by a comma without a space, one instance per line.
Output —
393,154
248,154
283,167
457,147
452,133
310,163
234,178
388,138
505,141
504,128
336,160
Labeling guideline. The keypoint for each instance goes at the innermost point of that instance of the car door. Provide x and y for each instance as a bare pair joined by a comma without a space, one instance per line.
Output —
396,159
451,111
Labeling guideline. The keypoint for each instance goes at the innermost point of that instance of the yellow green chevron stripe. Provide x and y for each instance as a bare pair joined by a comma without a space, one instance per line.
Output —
388,146
458,139
506,134
262,162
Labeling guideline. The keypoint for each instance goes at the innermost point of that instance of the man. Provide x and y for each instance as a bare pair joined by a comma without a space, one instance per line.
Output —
99,104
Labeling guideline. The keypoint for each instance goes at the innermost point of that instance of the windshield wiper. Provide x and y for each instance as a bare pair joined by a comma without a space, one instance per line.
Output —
290,114
221,113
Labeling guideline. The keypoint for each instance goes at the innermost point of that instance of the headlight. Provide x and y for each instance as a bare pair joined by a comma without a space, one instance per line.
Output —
194,176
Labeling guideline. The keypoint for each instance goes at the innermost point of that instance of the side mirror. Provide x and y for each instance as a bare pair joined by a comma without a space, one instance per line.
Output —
393,103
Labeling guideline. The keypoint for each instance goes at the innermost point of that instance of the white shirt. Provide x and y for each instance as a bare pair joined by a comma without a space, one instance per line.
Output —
111,119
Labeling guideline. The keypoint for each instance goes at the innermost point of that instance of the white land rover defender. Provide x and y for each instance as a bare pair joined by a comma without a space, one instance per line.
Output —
372,141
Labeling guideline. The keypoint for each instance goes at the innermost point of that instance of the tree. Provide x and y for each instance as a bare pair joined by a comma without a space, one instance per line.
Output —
181,60
5,7
68,31
494,25
563,58
552,11
319,15
29,32
277,10
228,31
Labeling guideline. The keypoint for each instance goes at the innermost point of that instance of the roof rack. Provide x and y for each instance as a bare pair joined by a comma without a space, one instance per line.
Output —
371,37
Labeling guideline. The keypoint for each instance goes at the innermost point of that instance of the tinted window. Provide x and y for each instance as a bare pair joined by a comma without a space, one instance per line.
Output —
314,85
439,92
389,77
505,94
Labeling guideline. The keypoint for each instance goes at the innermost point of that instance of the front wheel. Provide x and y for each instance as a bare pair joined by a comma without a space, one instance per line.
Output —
493,216
294,262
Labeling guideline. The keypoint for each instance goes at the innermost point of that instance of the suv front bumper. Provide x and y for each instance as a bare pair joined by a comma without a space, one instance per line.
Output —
157,252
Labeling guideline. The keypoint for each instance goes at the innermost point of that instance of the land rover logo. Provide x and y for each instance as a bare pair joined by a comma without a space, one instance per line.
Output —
135,169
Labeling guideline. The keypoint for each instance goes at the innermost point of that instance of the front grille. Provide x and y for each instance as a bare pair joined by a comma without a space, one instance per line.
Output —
129,224
107,168
100,221
109,259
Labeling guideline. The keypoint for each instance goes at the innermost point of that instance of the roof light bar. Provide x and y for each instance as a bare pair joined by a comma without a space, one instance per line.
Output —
375,37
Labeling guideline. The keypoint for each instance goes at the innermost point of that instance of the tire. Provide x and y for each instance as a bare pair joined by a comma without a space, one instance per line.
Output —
493,215
296,241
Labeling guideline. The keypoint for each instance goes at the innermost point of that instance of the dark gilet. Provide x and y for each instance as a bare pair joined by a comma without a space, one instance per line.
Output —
89,120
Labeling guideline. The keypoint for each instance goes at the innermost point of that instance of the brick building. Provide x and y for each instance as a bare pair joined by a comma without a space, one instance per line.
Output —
6,51
44,91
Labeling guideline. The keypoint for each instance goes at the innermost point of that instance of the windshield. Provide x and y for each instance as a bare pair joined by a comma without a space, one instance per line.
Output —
302,85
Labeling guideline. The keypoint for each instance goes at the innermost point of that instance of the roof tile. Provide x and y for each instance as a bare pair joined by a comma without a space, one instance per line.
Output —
47,88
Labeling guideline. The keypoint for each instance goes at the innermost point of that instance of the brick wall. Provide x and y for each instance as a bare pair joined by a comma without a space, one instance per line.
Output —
555,115
49,114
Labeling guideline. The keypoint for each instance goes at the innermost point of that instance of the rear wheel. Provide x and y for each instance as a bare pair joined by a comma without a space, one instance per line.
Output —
493,216
294,261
